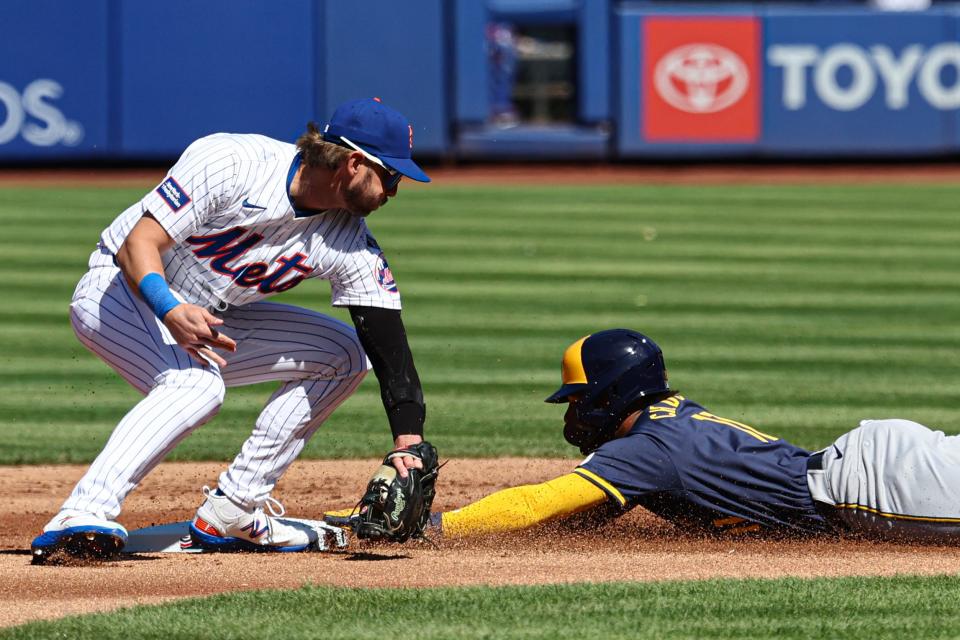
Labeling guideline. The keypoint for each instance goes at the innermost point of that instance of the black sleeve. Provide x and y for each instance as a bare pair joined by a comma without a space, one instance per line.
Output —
384,339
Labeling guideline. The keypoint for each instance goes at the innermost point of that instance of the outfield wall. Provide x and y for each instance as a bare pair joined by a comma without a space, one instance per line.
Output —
122,79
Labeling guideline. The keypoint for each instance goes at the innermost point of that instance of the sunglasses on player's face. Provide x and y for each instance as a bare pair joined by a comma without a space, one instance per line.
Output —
392,177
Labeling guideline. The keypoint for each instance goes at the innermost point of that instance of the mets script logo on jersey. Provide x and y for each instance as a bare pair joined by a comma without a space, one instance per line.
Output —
384,275
173,194
227,246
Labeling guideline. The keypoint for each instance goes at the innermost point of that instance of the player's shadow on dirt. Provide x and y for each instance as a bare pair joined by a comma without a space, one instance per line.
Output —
365,556
136,557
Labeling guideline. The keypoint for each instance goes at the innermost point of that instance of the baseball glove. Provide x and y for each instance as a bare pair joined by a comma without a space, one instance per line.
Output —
392,508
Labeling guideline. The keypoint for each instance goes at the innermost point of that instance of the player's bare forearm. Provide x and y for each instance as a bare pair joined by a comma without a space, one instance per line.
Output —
141,252
191,326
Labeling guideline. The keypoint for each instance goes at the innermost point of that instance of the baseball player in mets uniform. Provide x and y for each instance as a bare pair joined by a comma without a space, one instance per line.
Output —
174,301
649,446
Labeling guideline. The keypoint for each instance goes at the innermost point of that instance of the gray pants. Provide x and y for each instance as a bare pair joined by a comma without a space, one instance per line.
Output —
893,480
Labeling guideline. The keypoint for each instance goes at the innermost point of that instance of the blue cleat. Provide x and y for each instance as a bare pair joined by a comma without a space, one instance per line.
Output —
78,536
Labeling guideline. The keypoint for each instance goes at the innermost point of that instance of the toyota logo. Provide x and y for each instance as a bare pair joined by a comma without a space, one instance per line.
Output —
701,78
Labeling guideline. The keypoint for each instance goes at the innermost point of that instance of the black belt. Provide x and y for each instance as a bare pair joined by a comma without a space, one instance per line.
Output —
815,462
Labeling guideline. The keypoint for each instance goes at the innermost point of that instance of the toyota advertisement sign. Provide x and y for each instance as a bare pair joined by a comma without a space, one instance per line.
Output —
701,79
861,84
788,81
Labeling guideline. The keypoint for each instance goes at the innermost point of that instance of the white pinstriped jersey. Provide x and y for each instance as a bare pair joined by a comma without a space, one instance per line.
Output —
239,239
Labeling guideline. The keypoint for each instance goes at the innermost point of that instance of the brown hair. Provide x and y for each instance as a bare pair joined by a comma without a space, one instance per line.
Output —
317,152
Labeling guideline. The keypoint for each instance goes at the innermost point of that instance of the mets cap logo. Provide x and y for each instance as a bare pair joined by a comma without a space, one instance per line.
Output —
384,275
701,78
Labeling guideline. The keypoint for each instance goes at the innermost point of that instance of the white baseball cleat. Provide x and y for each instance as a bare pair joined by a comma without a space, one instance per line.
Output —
221,525
78,535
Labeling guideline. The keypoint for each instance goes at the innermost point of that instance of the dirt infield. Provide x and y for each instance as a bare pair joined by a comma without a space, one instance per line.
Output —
638,546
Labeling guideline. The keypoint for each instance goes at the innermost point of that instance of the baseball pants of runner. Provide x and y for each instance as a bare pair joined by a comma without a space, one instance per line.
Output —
892,479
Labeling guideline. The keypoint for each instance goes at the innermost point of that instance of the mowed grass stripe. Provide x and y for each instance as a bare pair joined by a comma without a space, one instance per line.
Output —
713,229
428,247
763,325
850,608
521,296
764,350
799,310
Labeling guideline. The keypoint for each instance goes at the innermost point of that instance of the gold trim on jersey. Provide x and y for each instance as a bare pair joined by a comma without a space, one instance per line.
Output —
603,484
572,367
730,521
893,516
706,416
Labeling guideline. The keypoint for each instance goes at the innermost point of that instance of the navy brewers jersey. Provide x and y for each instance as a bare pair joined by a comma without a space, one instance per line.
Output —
702,471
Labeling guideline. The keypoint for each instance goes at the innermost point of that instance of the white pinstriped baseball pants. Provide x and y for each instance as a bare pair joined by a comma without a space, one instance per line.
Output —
317,359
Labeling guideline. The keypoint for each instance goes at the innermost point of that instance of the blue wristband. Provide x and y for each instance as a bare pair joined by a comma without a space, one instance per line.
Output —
157,294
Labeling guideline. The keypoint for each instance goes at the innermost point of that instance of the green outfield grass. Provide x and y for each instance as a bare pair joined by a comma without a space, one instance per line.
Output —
799,310
850,608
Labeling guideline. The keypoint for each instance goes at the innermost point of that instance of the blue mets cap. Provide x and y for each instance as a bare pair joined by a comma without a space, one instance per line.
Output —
379,132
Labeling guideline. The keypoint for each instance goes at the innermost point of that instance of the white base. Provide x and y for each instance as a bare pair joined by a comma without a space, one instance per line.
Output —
175,537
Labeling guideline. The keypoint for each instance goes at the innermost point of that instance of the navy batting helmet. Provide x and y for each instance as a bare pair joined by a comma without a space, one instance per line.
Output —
610,372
